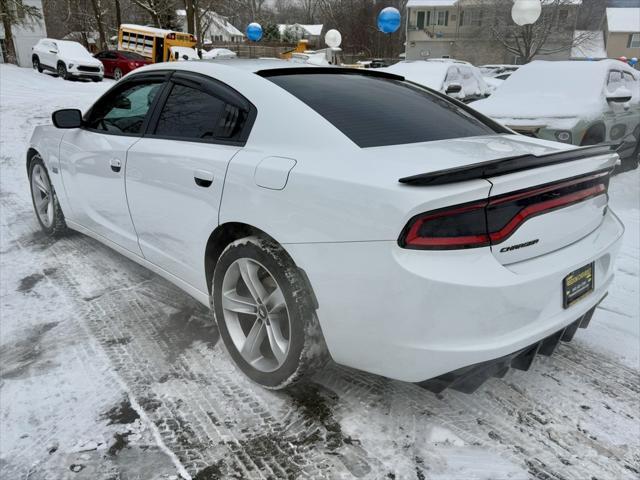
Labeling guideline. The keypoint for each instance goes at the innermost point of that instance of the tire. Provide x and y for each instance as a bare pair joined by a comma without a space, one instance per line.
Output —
286,322
62,71
117,74
49,214
36,64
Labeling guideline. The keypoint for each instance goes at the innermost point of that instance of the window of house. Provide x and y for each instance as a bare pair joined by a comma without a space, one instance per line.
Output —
474,18
443,18
563,17
420,21
634,40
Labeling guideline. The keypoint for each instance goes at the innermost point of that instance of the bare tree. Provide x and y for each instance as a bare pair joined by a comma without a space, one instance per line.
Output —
98,13
161,11
15,13
552,33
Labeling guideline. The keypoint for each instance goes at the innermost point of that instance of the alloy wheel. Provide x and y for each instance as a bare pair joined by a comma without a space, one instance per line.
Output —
117,74
42,195
256,314
36,64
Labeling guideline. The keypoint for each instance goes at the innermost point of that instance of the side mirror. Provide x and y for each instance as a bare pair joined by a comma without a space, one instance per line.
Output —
453,88
123,103
67,118
621,95
185,57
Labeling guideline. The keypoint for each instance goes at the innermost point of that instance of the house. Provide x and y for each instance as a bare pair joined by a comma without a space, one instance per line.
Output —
298,31
622,32
24,37
216,28
462,29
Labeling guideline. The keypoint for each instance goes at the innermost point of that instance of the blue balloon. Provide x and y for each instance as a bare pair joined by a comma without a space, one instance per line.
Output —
254,32
388,20
633,61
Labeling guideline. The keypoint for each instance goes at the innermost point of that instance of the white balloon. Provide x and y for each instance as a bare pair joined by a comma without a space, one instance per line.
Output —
525,12
333,38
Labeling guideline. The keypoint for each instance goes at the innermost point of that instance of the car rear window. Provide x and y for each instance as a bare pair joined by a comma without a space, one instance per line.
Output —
132,55
375,111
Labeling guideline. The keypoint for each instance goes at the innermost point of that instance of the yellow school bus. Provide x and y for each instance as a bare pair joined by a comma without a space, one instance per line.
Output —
152,43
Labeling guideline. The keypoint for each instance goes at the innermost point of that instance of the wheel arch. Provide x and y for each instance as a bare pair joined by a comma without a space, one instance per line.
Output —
229,232
31,152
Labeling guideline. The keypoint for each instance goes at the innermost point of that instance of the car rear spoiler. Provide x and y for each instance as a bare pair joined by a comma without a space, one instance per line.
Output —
503,166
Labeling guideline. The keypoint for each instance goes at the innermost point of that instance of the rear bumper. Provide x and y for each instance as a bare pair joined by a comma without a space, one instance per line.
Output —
468,379
414,315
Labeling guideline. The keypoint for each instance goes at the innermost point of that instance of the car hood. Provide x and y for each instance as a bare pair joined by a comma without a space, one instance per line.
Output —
537,106
89,61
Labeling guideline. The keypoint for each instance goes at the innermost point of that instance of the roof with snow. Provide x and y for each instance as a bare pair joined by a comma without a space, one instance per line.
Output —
623,19
431,3
219,21
311,30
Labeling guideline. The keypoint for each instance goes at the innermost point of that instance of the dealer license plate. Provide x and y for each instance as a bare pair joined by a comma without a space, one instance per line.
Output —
577,285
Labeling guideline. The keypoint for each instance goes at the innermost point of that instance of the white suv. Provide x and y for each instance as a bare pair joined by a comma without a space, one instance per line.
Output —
68,59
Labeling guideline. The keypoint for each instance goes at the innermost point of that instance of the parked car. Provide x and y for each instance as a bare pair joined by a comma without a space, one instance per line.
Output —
408,236
118,64
66,58
455,78
218,53
581,103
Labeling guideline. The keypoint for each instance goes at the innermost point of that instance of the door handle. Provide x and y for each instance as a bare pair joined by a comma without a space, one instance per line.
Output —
203,178
116,164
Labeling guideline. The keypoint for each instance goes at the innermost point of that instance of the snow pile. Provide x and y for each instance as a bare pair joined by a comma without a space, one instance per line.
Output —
623,19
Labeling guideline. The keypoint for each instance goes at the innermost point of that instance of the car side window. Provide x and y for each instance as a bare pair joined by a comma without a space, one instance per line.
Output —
124,110
111,55
192,113
614,81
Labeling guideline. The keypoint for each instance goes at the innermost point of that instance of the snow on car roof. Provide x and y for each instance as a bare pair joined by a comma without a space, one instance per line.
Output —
69,47
551,89
152,30
429,74
623,19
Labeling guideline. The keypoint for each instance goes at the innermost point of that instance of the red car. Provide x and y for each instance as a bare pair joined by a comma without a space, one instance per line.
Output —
117,64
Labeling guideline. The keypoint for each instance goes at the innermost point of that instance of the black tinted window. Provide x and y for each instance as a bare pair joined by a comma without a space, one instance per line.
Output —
193,113
132,55
124,110
375,111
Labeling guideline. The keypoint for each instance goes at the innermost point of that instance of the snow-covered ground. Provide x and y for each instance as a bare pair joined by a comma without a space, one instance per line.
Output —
107,371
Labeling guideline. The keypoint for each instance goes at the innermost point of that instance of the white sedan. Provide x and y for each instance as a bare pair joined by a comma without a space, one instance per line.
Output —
343,213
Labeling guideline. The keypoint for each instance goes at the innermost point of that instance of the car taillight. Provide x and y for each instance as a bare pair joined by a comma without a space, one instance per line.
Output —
461,226
492,221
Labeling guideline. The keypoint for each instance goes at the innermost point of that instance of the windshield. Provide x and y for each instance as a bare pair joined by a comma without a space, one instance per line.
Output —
554,81
375,111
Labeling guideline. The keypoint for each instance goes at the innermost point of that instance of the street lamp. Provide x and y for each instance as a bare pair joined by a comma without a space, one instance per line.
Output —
526,12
